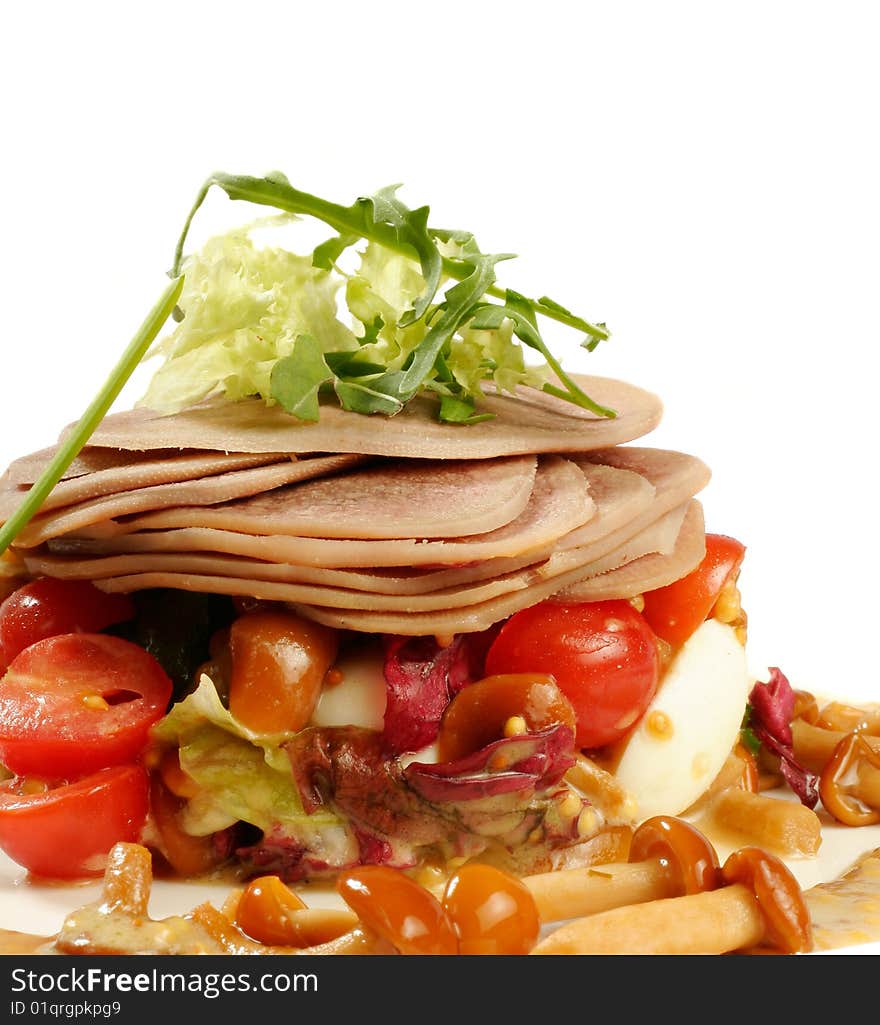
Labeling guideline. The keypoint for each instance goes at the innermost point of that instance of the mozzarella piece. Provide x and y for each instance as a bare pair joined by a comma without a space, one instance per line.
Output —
692,723
359,698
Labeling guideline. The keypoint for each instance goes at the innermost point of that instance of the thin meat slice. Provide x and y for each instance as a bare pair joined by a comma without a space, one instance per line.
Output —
65,558
649,572
439,621
674,476
559,503
632,579
412,499
619,496
528,422
208,490
654,464
132,475
27,469
200,572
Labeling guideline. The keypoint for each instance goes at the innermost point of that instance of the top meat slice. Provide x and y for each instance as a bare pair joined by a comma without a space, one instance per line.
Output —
529,422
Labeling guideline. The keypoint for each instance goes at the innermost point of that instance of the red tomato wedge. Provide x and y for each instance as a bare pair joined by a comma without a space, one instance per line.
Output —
66,832
46,607
72,704
675,611
602,655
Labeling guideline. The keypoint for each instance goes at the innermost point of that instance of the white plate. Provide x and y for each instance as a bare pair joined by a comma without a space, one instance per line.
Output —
41,908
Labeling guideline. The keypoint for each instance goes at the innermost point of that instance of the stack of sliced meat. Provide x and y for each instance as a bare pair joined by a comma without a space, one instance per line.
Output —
395,525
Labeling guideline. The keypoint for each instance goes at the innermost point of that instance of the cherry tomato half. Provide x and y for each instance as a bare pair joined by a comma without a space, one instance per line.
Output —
46,607
674,612
66,832
603,656
75,703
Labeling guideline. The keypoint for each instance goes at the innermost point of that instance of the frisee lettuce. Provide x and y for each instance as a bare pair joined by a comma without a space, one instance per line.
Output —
245,307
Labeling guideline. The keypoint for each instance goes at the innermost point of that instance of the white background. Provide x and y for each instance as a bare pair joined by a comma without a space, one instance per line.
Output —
702,176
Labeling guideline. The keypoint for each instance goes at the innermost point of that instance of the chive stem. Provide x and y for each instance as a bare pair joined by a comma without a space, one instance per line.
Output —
90,419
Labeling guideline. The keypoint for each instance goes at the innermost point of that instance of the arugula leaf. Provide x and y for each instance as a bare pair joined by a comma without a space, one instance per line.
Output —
296,379
361,398
520,311
460,300
347,364
595,332
455,410
327,253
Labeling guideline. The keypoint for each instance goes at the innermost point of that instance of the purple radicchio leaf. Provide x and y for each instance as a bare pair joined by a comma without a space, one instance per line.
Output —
421,678
528,762
393,811
772,708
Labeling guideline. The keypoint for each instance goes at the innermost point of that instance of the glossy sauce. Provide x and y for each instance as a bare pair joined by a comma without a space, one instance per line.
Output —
846,911
12,942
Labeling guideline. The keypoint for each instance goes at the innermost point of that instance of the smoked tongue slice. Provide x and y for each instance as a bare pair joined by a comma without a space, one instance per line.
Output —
526,423
102,471
400,525
269,582
583,521
397,499
559,503
625,582
206,490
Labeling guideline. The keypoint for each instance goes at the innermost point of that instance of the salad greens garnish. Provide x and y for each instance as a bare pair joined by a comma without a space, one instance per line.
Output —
427,316
418,324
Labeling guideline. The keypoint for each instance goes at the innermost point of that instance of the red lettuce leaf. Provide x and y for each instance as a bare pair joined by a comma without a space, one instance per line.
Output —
529,762
772,708
347,768
421,678
392,808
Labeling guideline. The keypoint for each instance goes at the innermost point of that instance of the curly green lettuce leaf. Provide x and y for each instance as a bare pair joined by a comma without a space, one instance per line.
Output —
204,707
378,295
243,775
244,307
237,784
